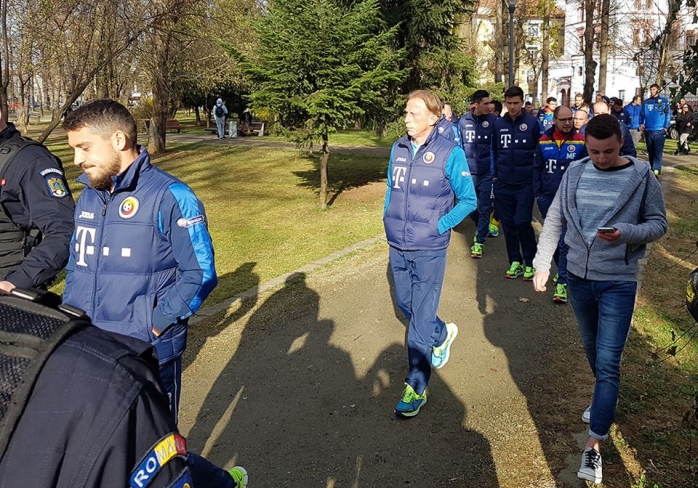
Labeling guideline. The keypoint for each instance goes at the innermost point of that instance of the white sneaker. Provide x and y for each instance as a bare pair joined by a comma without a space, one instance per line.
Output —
440,354
586,416
590,468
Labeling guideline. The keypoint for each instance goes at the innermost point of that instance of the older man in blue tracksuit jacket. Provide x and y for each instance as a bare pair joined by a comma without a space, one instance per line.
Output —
426,174
655,119
475,129
514,145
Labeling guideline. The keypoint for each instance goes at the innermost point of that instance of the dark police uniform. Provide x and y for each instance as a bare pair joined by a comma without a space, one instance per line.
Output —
96,417
33,196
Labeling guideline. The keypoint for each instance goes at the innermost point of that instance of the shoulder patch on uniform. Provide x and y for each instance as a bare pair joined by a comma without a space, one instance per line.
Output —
166,449
189,222
56,186
50,170
429,157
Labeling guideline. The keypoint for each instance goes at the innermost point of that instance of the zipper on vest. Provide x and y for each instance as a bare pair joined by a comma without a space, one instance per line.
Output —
97,251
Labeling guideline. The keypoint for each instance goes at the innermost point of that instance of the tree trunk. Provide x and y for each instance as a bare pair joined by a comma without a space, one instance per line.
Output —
198,116
324,157
499,45
545,51
604,45
589,63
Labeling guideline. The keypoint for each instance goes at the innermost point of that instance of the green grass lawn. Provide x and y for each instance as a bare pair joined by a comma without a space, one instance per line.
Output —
263,206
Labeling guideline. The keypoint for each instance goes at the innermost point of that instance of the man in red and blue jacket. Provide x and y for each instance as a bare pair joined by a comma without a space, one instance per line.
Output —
545,115
557,149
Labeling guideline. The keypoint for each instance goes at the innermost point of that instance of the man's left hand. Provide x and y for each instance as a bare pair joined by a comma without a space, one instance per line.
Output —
6,287
609,236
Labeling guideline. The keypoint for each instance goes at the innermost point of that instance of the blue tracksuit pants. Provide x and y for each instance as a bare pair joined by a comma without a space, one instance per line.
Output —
481,215
418,276
514,207
655,140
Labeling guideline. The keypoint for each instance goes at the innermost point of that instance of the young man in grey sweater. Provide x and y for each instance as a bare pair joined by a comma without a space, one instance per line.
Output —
613,207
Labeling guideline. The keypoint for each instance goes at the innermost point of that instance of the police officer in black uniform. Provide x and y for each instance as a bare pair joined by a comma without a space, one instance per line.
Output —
36,212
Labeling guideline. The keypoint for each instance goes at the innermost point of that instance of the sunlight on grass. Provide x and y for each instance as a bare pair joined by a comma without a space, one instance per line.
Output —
263,206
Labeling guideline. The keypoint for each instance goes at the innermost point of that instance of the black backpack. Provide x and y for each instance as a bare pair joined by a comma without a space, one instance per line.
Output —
219,111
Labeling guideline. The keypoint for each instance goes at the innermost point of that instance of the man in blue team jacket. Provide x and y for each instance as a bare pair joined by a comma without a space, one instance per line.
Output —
141,258
426,174
655,119
475,129
514,144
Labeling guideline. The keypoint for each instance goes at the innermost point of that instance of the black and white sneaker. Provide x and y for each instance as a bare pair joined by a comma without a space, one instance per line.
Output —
590,470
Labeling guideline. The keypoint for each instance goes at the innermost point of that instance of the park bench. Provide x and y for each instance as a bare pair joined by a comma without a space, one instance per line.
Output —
171,124
256,127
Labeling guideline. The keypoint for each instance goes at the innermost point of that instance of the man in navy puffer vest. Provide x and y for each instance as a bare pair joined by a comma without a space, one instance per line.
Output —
141,258
425,175
475,129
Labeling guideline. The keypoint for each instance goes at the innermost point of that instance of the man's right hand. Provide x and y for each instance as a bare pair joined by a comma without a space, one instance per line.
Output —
540,279
642,127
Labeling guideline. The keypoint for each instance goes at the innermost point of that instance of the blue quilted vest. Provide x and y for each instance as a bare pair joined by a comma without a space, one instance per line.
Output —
420,195
120,262
476,138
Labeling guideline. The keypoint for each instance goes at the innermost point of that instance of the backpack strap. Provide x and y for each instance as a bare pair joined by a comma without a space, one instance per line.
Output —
29,332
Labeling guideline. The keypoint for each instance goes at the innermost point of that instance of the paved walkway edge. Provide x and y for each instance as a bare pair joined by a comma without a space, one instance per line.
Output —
226,304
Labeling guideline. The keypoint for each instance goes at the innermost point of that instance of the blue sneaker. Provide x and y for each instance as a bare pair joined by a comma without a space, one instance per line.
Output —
410,403
440,354
239,475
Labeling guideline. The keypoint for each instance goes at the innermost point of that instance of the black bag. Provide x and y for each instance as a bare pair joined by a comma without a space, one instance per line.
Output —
219,111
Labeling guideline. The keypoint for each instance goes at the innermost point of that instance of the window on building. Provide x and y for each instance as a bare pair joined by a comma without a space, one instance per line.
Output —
690,39
580,36
648,4
533,30
621,94
579,71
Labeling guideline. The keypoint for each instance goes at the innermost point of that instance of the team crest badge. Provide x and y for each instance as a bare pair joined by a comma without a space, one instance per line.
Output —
523,127
485,124
441,130
570,149
128,208
428,158
56,186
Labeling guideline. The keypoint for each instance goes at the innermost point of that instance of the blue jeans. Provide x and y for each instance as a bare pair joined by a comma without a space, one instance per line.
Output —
655,140
220,125
560,255
603,310
514,208
418,276
481,215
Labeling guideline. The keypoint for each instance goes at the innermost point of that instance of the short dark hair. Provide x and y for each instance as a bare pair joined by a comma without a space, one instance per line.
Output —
528,103
654,85
497,106
551,99
514,91
104,117
479,95
604,126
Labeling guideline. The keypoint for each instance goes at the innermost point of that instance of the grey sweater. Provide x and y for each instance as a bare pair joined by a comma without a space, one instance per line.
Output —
638,213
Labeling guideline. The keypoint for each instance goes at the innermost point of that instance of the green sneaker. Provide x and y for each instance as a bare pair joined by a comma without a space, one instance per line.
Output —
239,475
528,273
493,230
560,295
555,278
515,270
476,250
410,403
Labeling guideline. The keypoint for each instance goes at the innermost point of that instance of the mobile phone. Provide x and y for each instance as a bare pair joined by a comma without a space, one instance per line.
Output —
607,230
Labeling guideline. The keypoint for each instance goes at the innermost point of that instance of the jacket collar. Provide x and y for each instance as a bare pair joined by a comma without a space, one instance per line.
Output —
8,132
128,179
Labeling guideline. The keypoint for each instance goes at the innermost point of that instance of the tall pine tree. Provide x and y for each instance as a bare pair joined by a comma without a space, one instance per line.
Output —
321,64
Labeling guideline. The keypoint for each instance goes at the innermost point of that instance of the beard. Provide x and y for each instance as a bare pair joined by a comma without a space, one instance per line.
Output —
102,178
